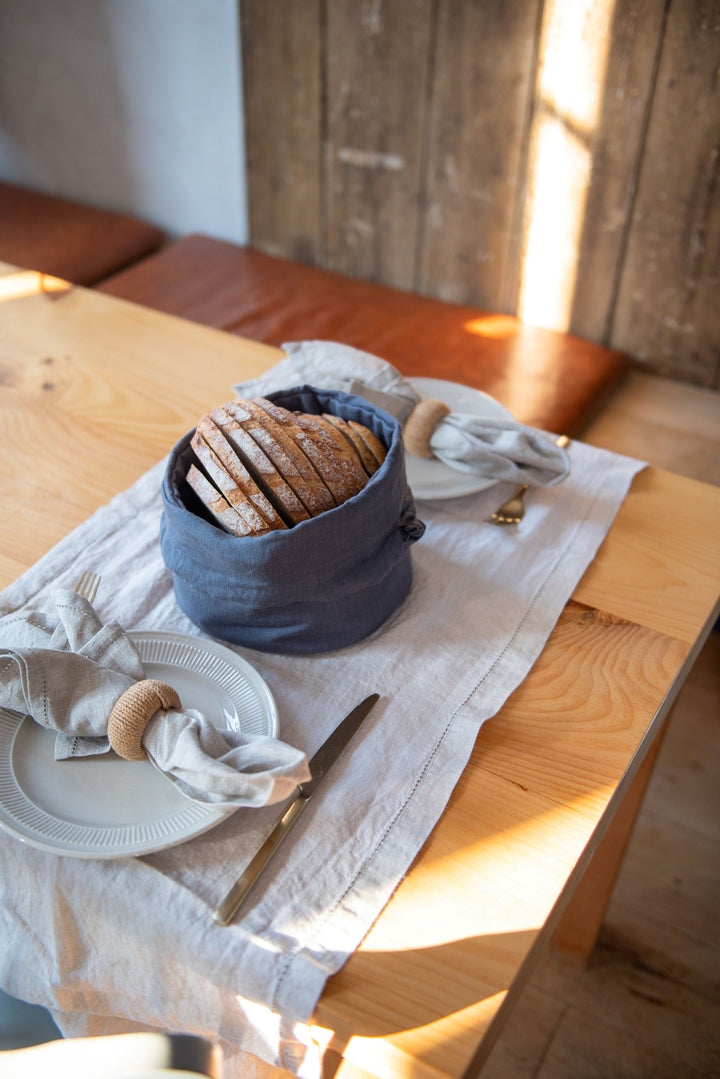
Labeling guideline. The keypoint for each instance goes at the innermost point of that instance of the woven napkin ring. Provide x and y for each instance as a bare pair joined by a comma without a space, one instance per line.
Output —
420,425
132,712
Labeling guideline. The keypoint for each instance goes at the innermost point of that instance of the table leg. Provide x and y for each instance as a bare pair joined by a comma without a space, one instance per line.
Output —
579,926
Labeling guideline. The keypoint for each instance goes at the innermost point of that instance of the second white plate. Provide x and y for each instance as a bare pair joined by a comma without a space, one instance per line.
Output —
433,479
106,807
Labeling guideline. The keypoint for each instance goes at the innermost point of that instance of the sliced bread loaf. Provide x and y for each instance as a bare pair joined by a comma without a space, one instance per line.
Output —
258,467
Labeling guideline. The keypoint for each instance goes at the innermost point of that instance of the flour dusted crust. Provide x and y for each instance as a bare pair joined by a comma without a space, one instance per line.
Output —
371,440
336,448
342,479
225,469
271,482
352,436
286,455
258,467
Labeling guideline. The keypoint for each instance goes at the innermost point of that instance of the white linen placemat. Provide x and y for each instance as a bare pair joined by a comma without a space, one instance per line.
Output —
129,944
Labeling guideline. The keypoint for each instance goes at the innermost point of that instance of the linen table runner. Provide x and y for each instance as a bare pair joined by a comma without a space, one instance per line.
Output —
129,944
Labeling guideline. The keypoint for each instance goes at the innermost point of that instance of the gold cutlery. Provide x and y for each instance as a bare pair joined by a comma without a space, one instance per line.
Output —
513,511
88,585
320,765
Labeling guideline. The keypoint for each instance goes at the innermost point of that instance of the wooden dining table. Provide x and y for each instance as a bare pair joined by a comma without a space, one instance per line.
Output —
95,390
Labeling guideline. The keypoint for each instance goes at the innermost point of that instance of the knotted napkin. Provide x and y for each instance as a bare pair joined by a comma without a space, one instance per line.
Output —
85,680
497,449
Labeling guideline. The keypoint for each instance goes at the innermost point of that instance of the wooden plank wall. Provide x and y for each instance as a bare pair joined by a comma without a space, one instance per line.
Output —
408,142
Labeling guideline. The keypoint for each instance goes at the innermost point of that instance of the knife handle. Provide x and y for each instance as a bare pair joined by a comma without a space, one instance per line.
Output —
229,906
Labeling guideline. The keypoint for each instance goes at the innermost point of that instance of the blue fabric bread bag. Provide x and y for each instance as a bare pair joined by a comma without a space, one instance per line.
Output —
324,584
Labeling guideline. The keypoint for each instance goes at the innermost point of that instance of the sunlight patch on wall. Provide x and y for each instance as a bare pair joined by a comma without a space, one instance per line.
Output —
571,77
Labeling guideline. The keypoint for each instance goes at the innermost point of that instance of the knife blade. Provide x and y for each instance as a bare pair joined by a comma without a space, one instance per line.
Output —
320,765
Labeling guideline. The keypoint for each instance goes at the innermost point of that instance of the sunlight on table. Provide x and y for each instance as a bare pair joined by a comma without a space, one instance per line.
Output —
399,1054
494,326
508,856
15,286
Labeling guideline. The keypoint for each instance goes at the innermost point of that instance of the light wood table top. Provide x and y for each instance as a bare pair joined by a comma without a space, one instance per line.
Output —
94,391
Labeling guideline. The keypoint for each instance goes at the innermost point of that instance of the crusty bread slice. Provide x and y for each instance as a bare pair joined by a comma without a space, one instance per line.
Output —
285,454
228,473
253,518
261,468
317,448
344,469
377,448
225,514
369,463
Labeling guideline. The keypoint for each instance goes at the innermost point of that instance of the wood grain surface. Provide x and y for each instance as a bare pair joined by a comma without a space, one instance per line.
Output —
475,151
95,390
377,58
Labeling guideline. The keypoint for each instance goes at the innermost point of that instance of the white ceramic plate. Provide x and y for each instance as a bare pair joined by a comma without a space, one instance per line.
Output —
106,807
433,479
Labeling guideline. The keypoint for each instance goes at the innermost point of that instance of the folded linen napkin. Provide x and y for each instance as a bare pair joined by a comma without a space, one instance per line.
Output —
68,671
495,449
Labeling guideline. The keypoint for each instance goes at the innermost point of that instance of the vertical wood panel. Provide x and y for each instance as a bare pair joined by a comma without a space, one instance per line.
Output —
389,140
668,309
482,78
570,170
377,70
616,146
282,74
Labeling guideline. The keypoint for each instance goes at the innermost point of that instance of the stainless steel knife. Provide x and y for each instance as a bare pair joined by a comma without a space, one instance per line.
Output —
320,765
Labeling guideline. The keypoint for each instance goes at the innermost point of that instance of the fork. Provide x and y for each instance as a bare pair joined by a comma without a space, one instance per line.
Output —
88,585
513,511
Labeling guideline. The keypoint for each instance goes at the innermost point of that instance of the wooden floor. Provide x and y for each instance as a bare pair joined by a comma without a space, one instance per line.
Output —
647,1005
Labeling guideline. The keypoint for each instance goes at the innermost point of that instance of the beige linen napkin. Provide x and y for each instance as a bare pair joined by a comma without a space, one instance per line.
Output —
498,449
62,666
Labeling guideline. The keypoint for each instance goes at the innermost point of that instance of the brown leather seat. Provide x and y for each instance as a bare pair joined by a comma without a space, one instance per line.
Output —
65,239
550,380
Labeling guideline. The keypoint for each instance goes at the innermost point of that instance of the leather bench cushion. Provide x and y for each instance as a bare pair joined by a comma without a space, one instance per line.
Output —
57,236
549,380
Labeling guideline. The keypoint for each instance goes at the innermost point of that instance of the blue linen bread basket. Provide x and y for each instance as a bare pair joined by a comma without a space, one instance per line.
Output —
324,584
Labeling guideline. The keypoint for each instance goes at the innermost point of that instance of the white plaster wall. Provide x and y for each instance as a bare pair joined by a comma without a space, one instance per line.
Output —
131,105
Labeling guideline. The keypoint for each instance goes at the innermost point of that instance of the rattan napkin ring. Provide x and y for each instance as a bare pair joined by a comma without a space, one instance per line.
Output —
420,425
132,712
